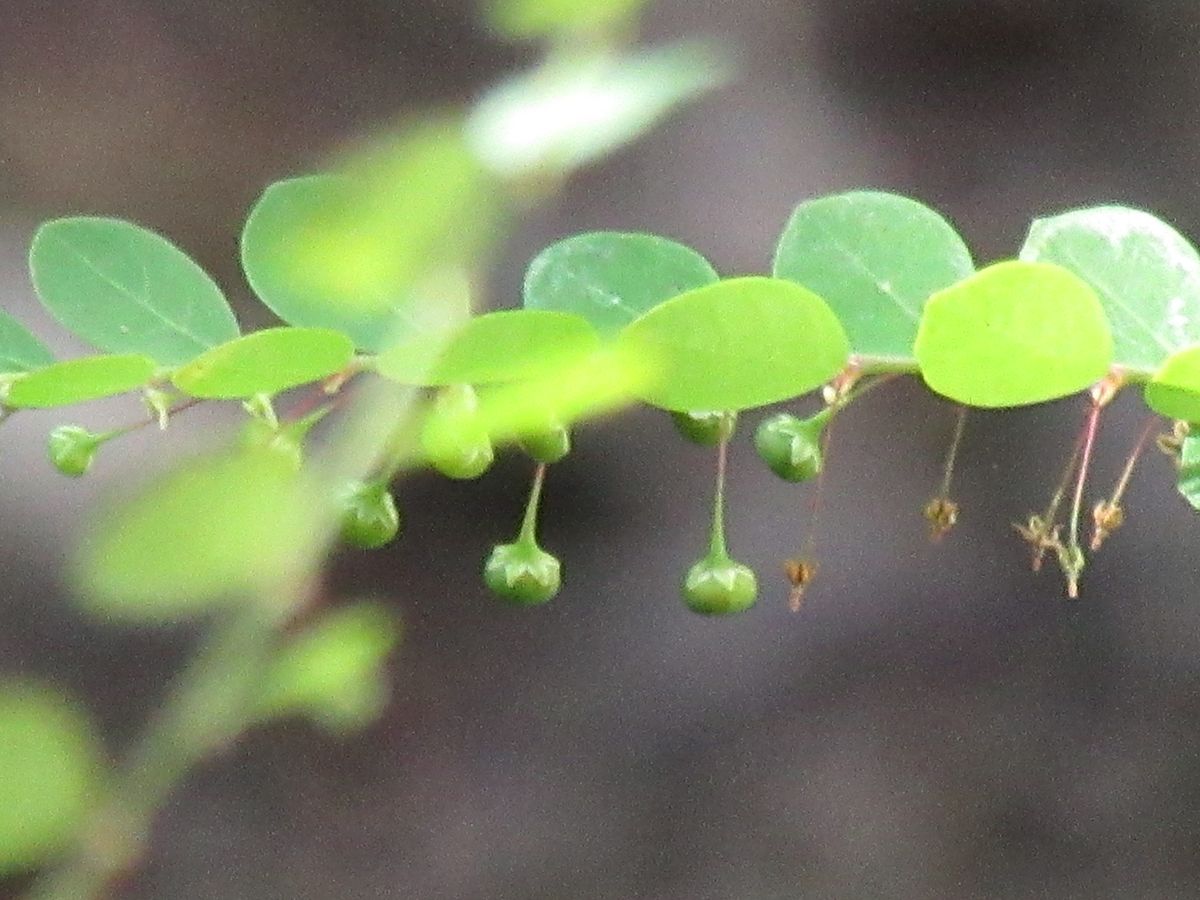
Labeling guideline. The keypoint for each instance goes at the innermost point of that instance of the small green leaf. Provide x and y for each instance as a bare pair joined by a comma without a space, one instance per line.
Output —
20,351
737,344
579,108
333,671
611,278
80,380
266,362
1146,274
352,250
49,767
1189,470
1175,389
217,527
501,346
524,19
1014,334
875,258
128,290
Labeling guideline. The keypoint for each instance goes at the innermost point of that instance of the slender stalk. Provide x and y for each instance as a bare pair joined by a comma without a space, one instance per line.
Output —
1089,441
960,423
809,547
716,543
528,533
1148,429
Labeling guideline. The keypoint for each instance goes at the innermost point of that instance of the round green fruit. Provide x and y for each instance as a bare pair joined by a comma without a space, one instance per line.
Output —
72,449
549,446
522,573
369,517
705,428
719,587
791,447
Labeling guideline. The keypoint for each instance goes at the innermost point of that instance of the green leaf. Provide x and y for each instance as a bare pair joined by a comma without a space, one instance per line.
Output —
1146,274
128,290
1175,389
501,346
579,108
737,344
266,362
333,671
1014,334
218,527
80,380
875,258
611,278
49,767
1189,470
523,19
20,351
353,250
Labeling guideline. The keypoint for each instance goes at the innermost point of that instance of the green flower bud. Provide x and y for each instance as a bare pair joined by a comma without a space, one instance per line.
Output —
73,448
549,446
453,440
522,573
791,447
705,428
718,586
369,515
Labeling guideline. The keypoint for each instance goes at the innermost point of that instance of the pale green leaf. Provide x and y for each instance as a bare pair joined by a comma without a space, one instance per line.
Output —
128,290
1146,274
20,351
266,362
737,344
875,258
1014,334
79,380
611,278
1174,391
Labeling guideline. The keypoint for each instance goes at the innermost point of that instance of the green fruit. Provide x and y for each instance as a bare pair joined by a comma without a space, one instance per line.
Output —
73,448
719,586
454,441
369,516
522,573
549,446
705,428
791,447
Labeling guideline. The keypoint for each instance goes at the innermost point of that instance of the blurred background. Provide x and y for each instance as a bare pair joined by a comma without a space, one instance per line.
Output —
936,722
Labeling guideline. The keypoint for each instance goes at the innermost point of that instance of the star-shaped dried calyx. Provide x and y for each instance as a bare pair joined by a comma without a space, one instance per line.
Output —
1042,535
942,514
800,573
1107,517
1072,561
1172,444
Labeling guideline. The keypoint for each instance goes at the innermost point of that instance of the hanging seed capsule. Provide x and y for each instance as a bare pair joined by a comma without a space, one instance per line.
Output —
72,449
1107,517
791,447
522,573
454,441
549,446
369,517
705,428
718,586
800,573
942,515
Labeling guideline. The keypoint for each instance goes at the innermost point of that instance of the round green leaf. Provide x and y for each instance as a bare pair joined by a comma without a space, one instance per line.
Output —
49,763
20,351
875,258
1014,334
1146,274
611,278
1175,389
217,527
501,346
580,107
538,18
350,251
128,290
737,344
266,362
80,380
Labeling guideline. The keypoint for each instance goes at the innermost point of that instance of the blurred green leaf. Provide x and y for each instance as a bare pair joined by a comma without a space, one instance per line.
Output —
875,258
49,767
266,362
1175,389
1146,274
501,346
524,19
1189,470
128,290
20,351
578,109
1014,334
194,539
611,278
80,380
352,251
738,344
333,671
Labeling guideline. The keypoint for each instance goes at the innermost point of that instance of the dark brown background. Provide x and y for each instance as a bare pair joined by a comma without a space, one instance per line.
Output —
936,723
